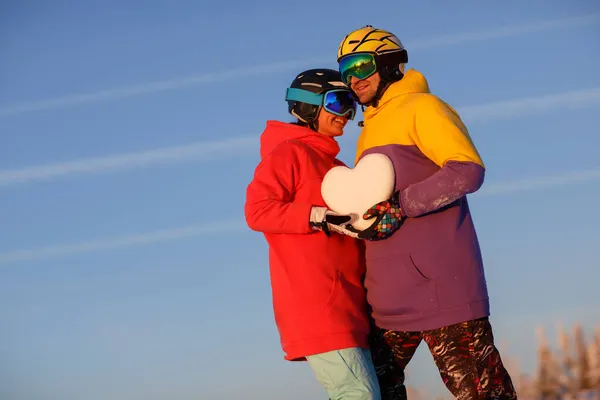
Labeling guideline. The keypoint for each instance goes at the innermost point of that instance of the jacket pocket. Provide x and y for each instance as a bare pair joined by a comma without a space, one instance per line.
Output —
396,285
308,303
419,277
335,289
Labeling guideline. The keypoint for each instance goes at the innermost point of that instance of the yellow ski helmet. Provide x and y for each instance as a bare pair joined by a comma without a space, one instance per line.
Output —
369,50
370,40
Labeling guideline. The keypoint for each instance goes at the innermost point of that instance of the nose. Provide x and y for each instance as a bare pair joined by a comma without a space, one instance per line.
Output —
352,80
349,114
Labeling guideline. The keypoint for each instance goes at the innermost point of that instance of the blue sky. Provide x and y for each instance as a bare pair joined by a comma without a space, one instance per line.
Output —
128,136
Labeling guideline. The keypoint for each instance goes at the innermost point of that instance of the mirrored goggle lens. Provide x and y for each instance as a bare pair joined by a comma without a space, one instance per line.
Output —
340,102
360,66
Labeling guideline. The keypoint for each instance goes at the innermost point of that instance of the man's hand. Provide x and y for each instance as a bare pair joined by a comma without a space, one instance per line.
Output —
388,219
323,219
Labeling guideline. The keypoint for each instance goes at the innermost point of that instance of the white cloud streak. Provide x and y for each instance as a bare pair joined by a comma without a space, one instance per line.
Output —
229,147
153,87
121,92
126,241
505,32
528,106
119,162
229,226
542,182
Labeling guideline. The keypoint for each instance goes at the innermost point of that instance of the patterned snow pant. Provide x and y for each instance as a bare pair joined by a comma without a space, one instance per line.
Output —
465,354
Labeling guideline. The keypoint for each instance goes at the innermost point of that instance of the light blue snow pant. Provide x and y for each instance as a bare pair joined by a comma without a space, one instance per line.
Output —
346,374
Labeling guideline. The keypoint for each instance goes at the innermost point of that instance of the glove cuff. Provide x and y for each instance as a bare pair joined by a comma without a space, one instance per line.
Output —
396,197
317,217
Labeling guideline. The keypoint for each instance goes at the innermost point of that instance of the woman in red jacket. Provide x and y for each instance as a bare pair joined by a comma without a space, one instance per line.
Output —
316,266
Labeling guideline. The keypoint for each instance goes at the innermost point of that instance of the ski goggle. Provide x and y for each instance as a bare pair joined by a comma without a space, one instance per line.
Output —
359,65
336,101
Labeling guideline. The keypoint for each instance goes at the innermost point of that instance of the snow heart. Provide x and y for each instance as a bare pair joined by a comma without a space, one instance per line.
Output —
352,191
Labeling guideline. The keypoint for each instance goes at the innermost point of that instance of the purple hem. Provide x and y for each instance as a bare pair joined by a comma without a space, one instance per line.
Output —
434,319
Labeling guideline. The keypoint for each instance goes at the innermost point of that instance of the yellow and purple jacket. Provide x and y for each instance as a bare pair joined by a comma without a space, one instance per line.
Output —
429,273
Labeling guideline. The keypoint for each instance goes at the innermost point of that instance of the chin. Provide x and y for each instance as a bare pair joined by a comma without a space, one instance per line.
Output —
365,99
335,134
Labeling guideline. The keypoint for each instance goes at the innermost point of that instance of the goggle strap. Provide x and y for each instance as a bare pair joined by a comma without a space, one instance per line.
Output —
304,96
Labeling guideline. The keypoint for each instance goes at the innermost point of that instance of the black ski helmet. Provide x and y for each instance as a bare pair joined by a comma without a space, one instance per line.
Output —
318,81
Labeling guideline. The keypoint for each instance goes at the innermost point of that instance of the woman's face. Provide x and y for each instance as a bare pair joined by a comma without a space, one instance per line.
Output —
331,125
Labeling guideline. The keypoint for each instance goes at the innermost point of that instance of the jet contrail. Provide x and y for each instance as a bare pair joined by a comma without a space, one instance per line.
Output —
245,144
119,162
505,32
153,87
526,106
542,182
234,226
121,92
123,241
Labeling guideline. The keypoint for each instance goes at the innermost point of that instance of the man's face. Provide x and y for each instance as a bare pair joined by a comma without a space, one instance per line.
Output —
365,89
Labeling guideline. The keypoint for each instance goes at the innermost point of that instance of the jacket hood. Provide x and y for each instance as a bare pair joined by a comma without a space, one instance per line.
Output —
412,82
277,132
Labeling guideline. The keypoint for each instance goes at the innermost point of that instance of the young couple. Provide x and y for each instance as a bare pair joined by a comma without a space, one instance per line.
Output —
356,306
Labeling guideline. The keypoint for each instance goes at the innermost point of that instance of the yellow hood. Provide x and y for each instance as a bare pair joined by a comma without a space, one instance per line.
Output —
409,115
412,82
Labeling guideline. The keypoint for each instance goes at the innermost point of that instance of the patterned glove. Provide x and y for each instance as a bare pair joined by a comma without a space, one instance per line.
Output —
323,219
388,219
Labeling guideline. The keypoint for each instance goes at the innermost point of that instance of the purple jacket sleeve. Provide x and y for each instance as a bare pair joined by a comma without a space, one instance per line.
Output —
453,181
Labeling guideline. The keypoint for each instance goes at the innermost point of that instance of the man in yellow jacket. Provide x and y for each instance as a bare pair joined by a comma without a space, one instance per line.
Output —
425,278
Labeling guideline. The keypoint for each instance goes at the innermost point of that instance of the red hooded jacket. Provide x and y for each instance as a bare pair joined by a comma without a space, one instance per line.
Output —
318,296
